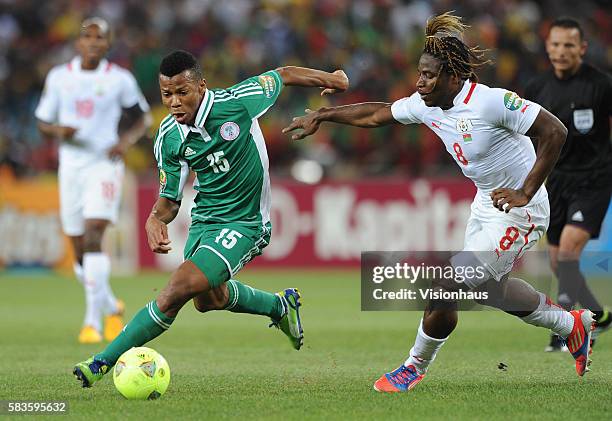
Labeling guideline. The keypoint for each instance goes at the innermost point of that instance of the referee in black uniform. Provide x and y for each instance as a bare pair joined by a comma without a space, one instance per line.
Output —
580,185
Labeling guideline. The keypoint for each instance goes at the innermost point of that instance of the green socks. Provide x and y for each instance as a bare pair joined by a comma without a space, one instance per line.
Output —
146,325
245,299
150,322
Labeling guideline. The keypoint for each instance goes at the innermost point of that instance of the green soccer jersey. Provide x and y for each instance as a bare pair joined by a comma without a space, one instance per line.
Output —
225,149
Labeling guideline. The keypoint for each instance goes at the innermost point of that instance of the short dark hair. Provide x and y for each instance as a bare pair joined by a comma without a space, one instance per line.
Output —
569,23
177,62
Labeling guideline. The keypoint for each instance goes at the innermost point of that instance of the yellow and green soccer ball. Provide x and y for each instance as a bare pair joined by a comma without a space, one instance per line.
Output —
141,373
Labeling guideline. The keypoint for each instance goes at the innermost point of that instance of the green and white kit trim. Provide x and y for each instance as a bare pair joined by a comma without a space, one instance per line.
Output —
156,318
225,147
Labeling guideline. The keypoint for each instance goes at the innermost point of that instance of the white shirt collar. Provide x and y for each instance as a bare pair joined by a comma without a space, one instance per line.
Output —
463,92
201,116
75,64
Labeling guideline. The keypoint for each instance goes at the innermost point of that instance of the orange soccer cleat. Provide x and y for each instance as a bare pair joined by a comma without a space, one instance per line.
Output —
89,335
579,341
113,323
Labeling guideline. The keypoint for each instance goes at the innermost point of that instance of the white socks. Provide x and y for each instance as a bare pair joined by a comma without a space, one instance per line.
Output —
99,298
78,271
552,317
547,315
424,350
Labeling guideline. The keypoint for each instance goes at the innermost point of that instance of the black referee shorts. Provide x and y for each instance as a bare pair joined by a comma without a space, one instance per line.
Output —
577,200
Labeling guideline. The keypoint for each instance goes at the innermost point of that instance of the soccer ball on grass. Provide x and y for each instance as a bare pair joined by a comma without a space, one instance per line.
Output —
141,373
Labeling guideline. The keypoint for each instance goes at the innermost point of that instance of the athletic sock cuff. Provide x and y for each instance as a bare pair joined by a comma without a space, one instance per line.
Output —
95,255
232,289
158,316
426,336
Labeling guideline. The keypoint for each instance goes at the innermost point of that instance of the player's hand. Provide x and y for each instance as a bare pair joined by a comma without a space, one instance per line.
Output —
65,132
308,123
506,199
342,85
117,151
157,235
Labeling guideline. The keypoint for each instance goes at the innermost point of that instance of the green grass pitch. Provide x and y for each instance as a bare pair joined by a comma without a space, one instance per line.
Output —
231,366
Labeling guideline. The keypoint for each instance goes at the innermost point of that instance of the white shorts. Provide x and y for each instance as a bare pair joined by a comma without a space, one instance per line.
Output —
497,239
90,192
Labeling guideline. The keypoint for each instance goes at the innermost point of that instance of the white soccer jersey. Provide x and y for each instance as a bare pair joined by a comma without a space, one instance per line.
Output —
90,101
484,131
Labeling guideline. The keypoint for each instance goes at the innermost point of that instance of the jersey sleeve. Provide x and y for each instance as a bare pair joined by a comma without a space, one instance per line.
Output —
48,106
506,109
131,93
258,93
173,171
407,110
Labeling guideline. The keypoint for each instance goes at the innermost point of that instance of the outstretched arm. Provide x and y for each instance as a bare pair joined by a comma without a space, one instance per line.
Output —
365,114
302,76
164,211
550,135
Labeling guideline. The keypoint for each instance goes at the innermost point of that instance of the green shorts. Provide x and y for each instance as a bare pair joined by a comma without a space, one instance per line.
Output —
221,250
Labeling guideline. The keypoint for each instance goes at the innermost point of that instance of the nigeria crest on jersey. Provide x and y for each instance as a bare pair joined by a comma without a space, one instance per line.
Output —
229,130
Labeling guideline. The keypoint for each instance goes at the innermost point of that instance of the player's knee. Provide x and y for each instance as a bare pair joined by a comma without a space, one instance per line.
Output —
92,238
182,287
494,293
202,305
573,240
214,299
439,287
446,285
568,247
92,244
209,302
189,281
190,285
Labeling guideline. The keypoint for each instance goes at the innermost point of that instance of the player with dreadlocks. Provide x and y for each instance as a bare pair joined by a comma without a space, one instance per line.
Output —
487,131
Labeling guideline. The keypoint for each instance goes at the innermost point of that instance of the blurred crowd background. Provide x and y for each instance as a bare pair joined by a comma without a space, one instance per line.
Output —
377,42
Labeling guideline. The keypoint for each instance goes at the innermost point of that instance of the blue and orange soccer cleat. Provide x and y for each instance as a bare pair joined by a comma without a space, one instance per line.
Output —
402,379
579,341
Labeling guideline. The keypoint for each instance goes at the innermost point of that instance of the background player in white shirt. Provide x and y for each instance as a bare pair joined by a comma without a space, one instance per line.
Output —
487,132
97,111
